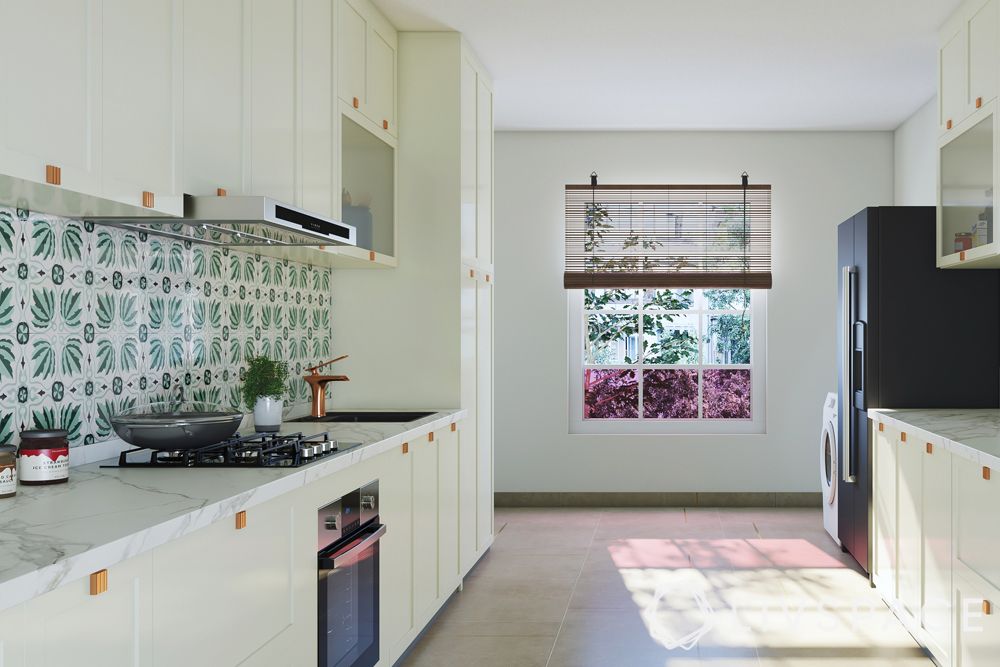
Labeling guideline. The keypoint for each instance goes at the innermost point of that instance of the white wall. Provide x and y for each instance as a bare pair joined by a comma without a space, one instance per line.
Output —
818,180
915,157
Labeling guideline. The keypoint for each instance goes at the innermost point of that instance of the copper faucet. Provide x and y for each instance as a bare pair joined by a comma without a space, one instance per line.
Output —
318,384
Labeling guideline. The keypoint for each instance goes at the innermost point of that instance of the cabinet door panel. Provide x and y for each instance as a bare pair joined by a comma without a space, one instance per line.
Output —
910,508
484,438
381,85
141,86
467,450
69,626
937,541
353,32
447,513
885,511
220,580
953,87
425,533
272,99
12,637
977,538
469,160
317,106
213,97
484,174
52,111
978,634
984,31
396,552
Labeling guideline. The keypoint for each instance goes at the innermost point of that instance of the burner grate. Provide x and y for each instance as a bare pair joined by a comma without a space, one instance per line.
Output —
257,450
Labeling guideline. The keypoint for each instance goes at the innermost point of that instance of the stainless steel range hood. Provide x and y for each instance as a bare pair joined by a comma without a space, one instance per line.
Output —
243,221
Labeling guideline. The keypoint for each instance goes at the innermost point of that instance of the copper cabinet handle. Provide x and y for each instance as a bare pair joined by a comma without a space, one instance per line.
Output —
406,448
356,103
371,255
961,256
241,520
385,125
881,427
902,436
948,124
986,473
987,607
53,174
99,582
430,437
454,427
220,192
930,448
979,102
147,199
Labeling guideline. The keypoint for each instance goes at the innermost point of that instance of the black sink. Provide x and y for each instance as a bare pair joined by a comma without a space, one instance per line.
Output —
366,416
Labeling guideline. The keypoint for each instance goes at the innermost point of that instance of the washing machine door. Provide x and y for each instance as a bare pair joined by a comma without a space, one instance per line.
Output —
828,463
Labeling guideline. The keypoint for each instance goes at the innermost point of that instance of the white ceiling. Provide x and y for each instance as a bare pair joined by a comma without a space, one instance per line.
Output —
696,64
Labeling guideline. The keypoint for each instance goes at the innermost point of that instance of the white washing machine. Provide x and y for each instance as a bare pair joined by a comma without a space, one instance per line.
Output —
829,465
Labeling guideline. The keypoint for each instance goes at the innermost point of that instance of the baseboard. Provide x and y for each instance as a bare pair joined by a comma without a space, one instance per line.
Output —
657,499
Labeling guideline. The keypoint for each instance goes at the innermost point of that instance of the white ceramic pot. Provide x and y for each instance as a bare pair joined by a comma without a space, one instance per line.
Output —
267,414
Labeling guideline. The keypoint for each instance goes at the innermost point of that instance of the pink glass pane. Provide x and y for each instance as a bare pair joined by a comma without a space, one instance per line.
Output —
670,394
610,394
726,393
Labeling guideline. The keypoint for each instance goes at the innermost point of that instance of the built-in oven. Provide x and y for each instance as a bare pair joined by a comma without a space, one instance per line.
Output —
348,555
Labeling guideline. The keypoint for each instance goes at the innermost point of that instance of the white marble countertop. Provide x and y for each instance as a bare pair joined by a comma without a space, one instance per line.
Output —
51,535
972,434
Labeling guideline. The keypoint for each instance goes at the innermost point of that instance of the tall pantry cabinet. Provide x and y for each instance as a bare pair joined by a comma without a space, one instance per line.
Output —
429,323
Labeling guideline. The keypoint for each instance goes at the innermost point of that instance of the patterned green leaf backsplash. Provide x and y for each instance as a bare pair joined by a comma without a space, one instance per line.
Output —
96,320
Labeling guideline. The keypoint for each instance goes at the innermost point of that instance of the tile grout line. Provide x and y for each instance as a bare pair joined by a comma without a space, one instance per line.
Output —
572,591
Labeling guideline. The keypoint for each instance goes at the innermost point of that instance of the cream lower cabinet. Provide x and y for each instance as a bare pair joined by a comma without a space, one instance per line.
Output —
909,526
425,525
977,618
70,626
884,531
227,591
12,637
449,575
936,545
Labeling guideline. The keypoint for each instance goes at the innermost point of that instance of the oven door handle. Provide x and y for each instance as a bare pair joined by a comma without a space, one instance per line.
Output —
350,557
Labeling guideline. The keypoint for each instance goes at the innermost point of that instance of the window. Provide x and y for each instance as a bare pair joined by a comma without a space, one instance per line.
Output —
676,360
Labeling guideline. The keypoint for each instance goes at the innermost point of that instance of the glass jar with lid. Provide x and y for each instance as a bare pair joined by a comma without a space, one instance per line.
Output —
8,471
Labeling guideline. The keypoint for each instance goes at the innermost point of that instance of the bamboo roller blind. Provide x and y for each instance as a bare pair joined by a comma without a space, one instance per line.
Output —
634,236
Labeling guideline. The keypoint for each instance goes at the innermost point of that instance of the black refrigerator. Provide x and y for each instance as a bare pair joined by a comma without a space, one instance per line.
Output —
909,335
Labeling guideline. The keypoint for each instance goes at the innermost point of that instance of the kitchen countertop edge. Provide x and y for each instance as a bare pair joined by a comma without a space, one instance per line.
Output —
897,419
23,578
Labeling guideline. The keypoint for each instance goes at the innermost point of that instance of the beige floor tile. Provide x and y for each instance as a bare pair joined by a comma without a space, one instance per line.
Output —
455,626
516,565
485,599
440,650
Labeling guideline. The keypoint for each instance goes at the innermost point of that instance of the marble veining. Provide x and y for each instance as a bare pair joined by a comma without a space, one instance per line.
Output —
971,434
52,535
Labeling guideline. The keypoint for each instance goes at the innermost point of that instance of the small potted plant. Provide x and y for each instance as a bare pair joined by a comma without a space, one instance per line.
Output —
263,388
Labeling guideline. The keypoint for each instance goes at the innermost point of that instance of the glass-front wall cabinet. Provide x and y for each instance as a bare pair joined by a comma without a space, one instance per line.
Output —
369,183
966,194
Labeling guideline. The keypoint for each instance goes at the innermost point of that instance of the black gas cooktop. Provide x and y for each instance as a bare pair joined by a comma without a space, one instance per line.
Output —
259,450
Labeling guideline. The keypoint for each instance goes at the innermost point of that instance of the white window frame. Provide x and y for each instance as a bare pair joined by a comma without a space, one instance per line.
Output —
644,426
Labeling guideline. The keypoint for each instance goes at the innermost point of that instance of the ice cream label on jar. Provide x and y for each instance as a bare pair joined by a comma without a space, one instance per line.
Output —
42,465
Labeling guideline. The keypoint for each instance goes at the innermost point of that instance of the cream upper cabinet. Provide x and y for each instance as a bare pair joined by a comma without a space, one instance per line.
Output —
953,93
53,117
469,161
381,76
352,30
316,138
52,114
968,62
367,64
243,577
214,123
93,627
984,56
484,173
141,110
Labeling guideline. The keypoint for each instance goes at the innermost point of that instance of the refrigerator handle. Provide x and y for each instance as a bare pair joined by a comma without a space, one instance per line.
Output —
846,372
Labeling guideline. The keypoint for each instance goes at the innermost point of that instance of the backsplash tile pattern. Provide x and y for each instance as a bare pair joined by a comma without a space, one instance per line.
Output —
94,320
